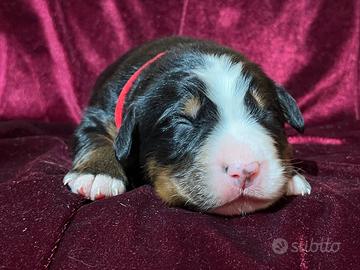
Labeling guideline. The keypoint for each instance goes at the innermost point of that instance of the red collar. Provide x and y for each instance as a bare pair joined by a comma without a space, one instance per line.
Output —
126,89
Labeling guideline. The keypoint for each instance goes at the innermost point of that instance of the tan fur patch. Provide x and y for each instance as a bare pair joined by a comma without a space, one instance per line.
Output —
163,184
111,130
288,152
191,107
259,99
287,161
99,160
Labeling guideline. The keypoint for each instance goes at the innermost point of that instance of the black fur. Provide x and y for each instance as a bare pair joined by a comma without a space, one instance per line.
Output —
290,109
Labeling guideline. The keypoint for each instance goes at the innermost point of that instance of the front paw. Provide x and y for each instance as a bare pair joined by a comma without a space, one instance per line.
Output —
94,187
298,186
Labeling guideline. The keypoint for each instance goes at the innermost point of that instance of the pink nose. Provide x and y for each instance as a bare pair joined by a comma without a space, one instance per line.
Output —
240,170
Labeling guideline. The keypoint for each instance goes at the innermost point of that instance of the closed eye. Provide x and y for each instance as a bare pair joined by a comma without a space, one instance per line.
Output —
184,120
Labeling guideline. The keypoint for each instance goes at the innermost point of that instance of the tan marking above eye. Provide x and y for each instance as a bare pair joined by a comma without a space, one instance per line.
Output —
258,99
192,107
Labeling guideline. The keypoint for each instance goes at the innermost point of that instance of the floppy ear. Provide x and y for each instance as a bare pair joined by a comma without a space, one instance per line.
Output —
123,140
290,109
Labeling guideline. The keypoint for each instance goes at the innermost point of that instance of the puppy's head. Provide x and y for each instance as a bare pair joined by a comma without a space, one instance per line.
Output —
212,134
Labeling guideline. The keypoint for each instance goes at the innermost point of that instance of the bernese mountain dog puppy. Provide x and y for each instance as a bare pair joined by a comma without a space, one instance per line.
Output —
198,121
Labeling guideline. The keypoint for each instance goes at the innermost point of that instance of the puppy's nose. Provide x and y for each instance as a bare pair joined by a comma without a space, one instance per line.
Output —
240,170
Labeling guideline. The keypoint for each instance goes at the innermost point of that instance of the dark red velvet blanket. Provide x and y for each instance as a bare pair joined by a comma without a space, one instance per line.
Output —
50,55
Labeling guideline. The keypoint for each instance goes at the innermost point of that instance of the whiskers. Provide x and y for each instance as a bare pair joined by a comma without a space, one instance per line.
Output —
254,192
197,194
291,164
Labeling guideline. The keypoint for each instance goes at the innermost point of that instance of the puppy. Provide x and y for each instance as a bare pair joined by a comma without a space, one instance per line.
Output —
197,120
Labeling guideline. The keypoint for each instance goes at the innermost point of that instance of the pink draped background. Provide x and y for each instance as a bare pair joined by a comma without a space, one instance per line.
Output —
50,55
52,51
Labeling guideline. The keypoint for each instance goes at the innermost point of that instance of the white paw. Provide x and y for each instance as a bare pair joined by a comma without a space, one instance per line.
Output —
94,187
298,186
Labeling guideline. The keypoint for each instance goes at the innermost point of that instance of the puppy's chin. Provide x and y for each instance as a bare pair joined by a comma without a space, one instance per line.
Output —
249,200
242,205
